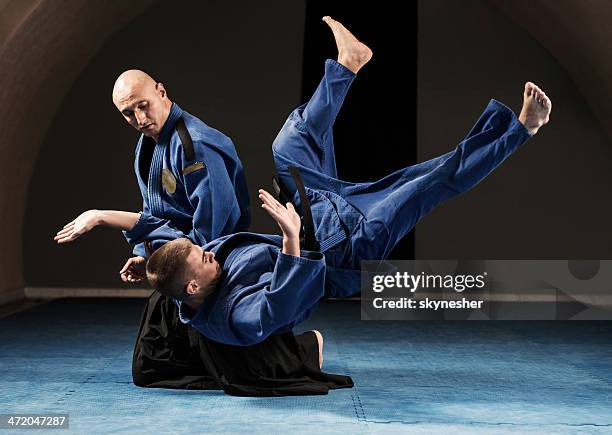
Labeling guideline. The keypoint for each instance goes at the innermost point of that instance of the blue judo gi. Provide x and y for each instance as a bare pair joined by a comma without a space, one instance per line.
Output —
202,195
263,291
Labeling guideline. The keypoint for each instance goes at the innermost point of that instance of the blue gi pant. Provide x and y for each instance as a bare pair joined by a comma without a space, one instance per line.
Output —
376,215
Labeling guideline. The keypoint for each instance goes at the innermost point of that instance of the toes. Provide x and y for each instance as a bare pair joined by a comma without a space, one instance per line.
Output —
535,91
538,95
543,98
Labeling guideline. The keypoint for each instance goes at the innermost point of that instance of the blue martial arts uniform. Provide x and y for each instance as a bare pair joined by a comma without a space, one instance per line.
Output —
263,291
201,196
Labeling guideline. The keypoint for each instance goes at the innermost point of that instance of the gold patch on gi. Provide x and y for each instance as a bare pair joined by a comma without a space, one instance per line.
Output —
168,181
193,167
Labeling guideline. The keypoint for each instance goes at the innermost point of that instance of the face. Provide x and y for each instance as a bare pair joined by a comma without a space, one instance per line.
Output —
144,105
201,268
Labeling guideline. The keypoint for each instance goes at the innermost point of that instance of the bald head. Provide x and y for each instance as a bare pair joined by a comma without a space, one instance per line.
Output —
142,101
130,80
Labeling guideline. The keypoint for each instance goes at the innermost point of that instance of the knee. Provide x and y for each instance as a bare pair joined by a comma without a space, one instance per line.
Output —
290,133
320,342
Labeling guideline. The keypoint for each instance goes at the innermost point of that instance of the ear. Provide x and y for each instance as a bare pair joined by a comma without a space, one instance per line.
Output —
159,86
192,287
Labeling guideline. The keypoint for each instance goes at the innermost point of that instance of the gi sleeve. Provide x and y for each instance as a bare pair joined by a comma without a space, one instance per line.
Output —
150,228
139,248
157,231
297,285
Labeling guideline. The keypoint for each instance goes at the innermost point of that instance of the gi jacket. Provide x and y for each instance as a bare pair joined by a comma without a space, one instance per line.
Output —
202,192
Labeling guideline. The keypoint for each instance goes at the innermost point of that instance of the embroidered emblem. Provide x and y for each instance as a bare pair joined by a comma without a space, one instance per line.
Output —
168,181
193,167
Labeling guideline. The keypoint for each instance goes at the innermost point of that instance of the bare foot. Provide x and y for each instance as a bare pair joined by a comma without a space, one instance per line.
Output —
352,53
536,108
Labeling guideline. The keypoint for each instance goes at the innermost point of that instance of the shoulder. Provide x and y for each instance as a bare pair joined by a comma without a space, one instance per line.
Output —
203,142
202,133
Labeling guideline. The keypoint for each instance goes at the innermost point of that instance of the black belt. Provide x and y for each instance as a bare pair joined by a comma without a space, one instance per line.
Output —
308,239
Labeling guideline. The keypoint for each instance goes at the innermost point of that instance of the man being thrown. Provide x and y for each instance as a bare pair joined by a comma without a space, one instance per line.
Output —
246,288
261,285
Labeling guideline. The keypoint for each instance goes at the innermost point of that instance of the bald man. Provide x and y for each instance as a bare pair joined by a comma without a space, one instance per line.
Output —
189,174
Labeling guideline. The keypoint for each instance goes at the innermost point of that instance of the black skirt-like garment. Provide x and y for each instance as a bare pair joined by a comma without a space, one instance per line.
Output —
170,354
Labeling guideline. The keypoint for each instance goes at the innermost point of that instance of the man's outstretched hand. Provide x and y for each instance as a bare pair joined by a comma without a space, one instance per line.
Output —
134,270
287,219
83,223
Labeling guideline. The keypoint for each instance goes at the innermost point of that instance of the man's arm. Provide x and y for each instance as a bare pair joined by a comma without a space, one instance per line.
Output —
155,230
298,283
90,219
136,227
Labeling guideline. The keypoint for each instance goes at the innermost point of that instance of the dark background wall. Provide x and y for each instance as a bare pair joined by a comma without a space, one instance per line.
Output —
44,45
235,64
549,200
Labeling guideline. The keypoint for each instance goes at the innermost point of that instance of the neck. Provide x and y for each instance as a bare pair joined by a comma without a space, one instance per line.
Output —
193,304
168,105
195,301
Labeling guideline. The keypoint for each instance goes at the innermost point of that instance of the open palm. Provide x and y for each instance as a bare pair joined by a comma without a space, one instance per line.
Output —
286,217
79,226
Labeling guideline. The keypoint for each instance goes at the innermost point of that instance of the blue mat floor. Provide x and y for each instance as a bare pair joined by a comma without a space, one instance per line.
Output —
73,356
